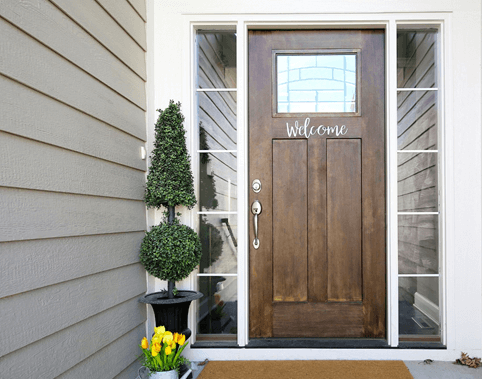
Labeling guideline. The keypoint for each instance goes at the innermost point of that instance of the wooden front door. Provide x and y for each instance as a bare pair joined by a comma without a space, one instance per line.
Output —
317,147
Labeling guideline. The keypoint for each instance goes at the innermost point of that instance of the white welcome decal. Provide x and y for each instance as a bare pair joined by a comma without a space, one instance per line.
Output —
308,131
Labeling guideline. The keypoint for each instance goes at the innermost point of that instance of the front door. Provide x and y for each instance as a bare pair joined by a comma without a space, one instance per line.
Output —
317,150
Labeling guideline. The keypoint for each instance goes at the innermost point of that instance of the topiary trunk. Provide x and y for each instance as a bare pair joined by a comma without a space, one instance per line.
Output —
171,284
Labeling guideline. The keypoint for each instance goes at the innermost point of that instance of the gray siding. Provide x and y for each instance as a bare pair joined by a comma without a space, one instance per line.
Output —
72,216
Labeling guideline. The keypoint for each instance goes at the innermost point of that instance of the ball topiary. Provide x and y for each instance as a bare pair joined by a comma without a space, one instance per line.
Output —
170,251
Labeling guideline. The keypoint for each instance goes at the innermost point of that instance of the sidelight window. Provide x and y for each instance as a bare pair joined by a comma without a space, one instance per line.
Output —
217,184
419,213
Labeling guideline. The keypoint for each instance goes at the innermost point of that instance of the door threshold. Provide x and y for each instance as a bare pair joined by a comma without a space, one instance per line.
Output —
318,343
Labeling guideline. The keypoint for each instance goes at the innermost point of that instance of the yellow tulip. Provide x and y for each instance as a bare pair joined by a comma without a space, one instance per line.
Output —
144,343
168,350
176,337
156,339
181,339
160,330
168,338
156,347
154,353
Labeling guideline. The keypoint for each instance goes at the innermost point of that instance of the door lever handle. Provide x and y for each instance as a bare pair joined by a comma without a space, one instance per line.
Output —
256,211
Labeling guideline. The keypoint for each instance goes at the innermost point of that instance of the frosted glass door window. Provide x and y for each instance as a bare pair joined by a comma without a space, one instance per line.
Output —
316,83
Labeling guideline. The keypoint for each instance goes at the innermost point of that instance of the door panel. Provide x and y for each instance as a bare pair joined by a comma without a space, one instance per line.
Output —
319,270
290,206
343,201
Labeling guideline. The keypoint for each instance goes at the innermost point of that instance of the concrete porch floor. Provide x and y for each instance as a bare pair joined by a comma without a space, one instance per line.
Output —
421,370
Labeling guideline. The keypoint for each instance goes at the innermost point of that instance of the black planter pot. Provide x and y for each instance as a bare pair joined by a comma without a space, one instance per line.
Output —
172,313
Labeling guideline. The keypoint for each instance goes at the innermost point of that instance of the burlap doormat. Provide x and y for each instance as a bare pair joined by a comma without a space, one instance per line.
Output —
305,370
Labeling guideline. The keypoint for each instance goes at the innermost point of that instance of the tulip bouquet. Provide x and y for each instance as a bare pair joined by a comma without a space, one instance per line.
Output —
164,351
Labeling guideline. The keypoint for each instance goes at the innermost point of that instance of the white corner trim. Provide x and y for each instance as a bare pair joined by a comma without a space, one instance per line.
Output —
428,308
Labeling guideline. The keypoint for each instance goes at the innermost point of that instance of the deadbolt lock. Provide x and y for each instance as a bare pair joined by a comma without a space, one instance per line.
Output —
256,186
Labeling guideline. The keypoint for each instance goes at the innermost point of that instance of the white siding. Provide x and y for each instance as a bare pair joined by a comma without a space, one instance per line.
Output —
72,123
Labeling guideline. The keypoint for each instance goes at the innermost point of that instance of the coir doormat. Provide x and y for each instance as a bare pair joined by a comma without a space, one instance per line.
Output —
305,370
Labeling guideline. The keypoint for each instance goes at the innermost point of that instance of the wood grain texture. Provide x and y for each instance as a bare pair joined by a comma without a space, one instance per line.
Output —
344,219
59,306
28,265
121,355
48,24
317,223
93,18
290,207
60,79
373,187
260,261
320,319
32,214
44,164
127,17
47,120
356,171
41,359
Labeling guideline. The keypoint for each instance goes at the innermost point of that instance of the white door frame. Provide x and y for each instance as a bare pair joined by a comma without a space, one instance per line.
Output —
242,23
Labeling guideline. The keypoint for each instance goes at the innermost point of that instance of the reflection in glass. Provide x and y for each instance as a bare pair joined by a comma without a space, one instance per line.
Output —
418,244
219,239
217,120
417,120
417,182
217,59
316,83
218,189
217,313
419,306
416,52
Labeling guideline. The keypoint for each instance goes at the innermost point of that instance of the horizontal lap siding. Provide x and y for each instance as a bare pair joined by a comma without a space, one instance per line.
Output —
71,187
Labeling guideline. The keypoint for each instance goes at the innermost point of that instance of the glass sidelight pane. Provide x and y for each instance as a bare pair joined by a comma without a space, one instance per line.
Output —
418,244
417,120
416,63
217,312
324,83
218,189
219,239
217,120
419,306
417,182
217,59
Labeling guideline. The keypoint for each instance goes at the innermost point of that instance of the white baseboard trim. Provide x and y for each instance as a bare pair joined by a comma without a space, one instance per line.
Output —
428,308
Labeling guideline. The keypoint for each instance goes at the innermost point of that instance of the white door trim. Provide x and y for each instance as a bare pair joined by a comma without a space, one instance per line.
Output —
387,21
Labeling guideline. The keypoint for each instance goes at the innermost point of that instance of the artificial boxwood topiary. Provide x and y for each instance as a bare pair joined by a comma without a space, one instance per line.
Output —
170,251
170,180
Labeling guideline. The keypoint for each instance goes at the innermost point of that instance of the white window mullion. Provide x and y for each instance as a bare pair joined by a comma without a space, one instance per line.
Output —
392,192
242,111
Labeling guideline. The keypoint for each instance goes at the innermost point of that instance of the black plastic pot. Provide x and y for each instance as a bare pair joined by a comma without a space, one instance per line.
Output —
172,313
